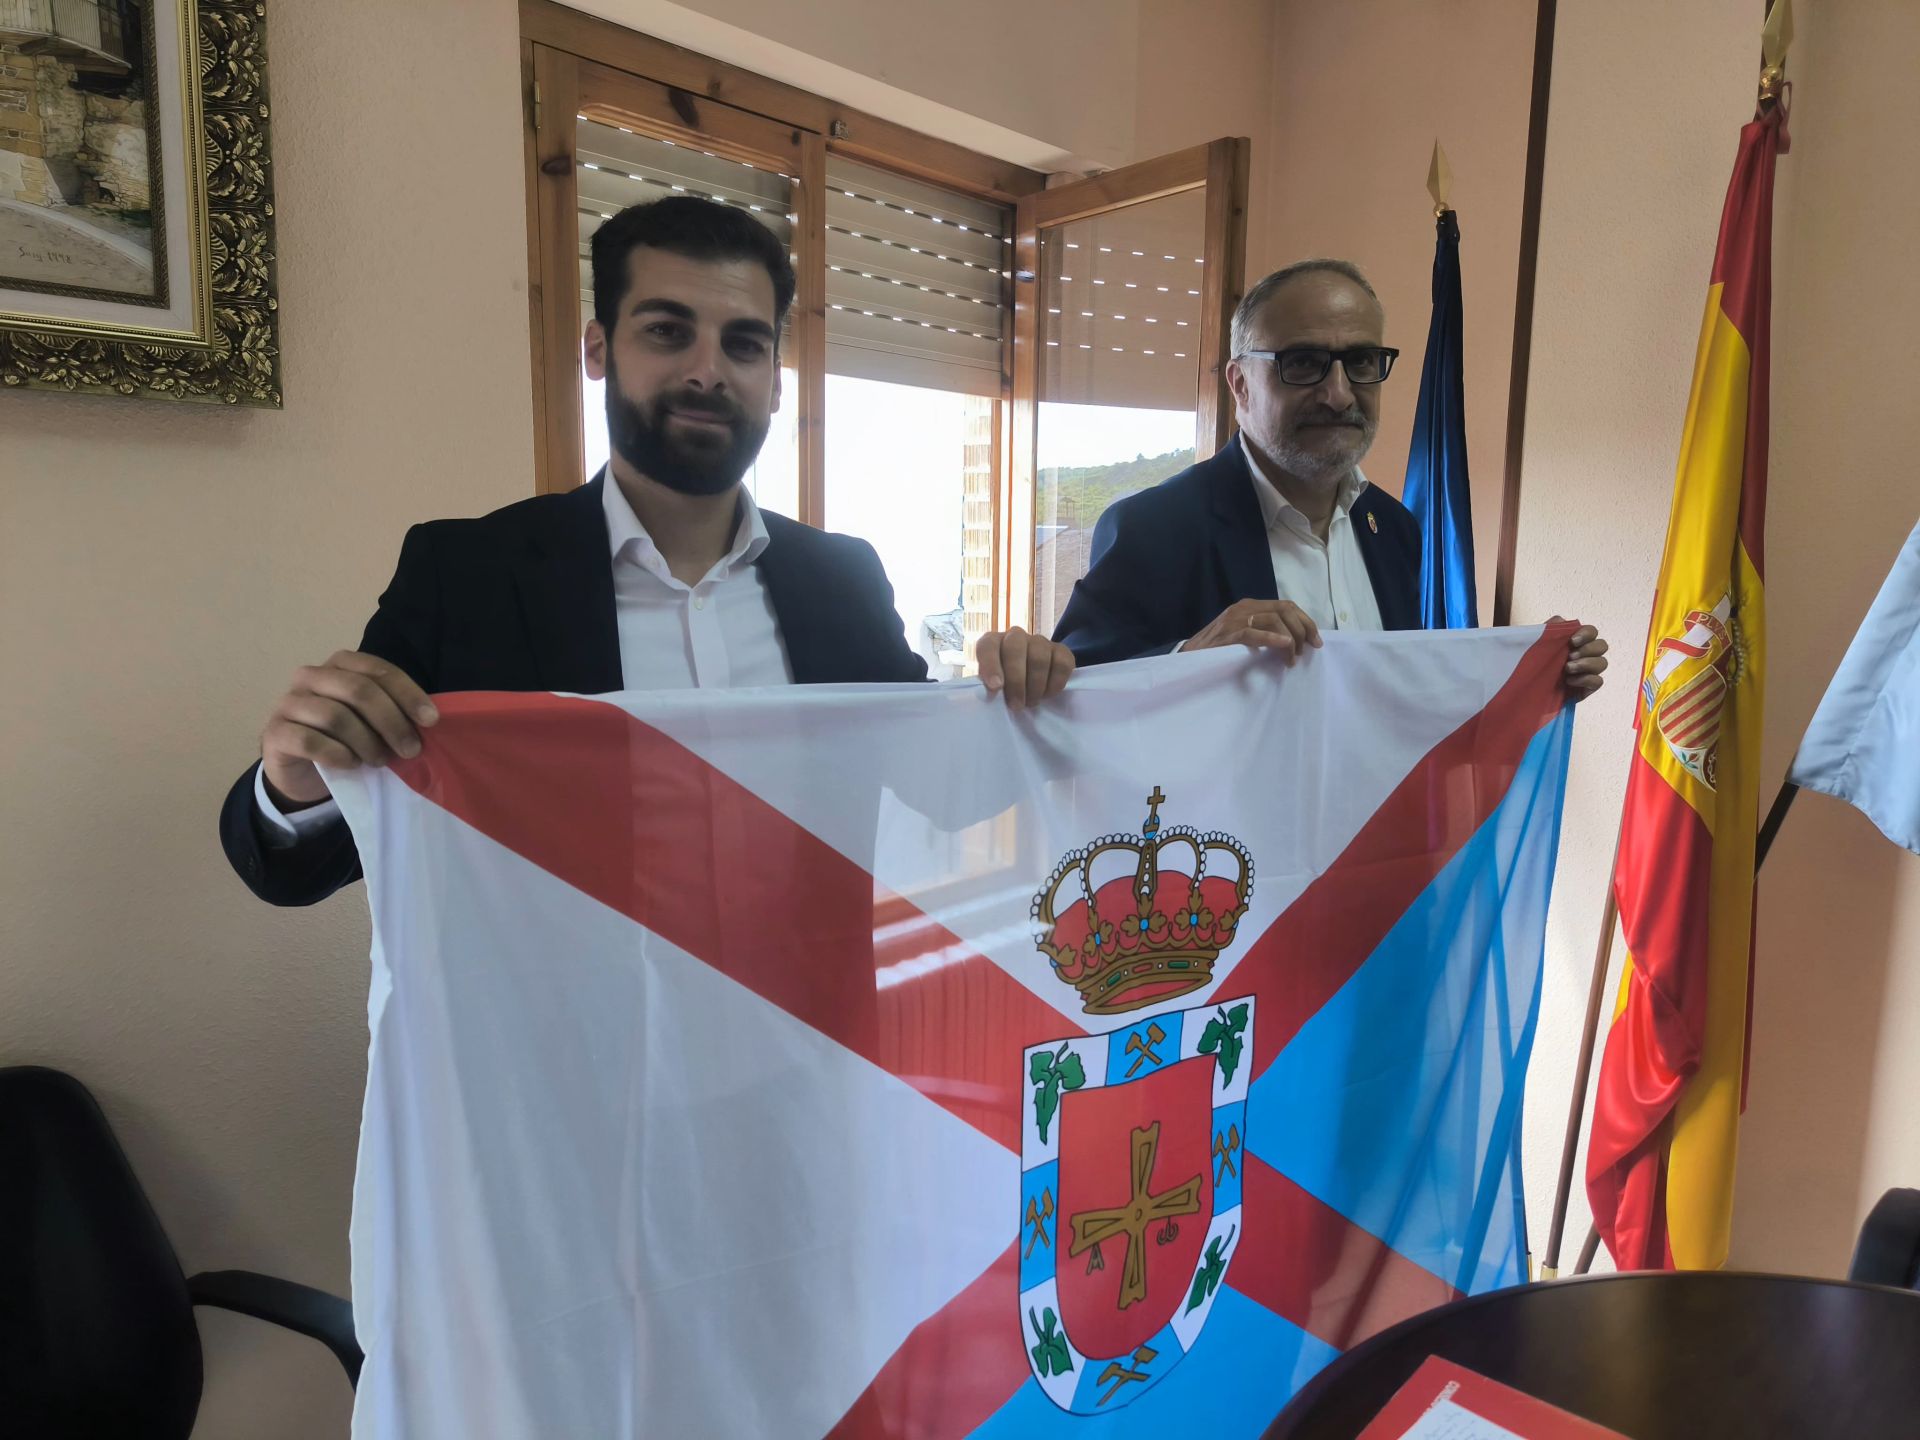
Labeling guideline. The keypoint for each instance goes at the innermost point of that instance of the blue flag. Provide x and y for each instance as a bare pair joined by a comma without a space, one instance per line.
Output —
1436,490
1864,743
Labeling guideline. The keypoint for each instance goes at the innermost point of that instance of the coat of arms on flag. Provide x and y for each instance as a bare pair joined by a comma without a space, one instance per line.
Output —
1130,1201
1686,688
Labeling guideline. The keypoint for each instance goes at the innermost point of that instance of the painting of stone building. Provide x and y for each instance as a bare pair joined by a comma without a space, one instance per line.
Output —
80,210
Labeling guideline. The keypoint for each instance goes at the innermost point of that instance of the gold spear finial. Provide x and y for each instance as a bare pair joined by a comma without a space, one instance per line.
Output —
1775,37
1440,177
1777,34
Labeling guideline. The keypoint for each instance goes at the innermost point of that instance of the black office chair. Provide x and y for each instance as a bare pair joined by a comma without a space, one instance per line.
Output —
1888,1252
97,1336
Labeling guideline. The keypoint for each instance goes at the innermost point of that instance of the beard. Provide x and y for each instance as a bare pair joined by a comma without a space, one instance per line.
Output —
691,461
1324,444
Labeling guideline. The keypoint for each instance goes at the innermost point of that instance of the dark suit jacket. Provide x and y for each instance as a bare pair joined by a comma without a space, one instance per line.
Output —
1167,561
522,599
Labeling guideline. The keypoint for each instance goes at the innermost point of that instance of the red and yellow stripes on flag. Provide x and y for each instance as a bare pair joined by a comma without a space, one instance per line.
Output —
1660,1158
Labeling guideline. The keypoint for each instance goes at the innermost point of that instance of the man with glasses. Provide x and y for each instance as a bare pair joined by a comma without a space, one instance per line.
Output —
1279,536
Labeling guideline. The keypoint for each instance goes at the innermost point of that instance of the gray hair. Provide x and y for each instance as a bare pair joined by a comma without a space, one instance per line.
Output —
1262,291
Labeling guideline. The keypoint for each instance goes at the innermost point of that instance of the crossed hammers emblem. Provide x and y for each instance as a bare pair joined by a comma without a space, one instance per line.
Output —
1223,1147
1140,1045
1039,1212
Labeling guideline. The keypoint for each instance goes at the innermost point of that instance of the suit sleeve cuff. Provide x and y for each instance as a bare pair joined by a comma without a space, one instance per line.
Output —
283,832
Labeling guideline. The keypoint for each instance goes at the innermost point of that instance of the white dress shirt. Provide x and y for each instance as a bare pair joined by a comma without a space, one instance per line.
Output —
720,634
715,635
1326,578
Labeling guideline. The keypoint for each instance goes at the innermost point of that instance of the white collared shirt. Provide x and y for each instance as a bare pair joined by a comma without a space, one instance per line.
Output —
1326,578
719,634
715,635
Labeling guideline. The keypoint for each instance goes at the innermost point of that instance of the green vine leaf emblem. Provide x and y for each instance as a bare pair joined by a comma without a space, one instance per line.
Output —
1050,1355
1052,1073
1207,1278
1223,1035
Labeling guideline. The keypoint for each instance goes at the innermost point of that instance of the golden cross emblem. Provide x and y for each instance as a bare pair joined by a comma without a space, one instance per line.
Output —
1142,1210
1141,1048
1223,1148
1038,1213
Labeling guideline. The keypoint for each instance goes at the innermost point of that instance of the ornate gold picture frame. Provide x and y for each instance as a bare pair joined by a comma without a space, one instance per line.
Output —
136,200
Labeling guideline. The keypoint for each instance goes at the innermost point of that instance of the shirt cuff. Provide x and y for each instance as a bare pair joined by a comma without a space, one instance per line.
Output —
283,832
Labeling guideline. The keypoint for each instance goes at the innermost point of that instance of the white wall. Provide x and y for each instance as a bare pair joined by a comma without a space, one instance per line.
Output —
1047,85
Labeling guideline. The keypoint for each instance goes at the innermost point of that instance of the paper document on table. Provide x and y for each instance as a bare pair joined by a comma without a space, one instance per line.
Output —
1447,1421
1444,1401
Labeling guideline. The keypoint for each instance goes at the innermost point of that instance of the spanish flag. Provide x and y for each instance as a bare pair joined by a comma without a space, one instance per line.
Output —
1660,1155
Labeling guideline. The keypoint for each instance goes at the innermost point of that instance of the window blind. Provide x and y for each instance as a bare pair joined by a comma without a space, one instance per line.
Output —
615,168
916,279
1120,295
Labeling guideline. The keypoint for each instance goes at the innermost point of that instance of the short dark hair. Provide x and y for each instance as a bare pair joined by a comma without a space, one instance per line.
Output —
1259,293
689,226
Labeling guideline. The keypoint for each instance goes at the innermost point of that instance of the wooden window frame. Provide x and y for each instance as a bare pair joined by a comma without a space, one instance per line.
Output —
617,97
1220,168
571,62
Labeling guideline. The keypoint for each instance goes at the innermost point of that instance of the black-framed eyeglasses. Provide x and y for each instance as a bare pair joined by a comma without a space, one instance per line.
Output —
1308,365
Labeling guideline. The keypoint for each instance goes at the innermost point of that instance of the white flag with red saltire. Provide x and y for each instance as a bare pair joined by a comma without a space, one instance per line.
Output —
870,1061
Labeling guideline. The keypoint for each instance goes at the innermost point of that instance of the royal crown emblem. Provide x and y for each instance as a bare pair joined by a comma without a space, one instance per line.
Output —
1146,934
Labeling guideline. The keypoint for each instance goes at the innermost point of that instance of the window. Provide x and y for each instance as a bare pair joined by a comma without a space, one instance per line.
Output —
1119,363
917,330
916,412
1120,356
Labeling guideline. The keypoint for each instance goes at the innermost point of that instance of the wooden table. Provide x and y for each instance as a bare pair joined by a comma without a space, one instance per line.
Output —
1693,1356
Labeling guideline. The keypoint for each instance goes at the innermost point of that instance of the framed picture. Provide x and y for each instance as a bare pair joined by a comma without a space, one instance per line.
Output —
136,200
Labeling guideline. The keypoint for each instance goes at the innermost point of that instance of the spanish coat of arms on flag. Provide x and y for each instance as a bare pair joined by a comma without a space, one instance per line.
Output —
871,1061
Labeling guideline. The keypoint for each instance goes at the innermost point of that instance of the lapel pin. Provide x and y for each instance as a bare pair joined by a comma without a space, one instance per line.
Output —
1372,524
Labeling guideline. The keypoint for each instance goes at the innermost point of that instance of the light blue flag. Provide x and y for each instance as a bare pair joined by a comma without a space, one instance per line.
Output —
1864,743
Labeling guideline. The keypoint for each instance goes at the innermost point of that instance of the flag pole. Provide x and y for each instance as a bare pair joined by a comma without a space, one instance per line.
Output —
1781,804
1588,1251
1577,1108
